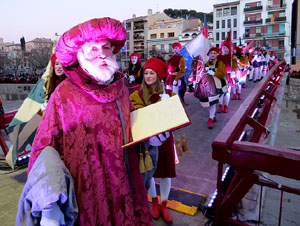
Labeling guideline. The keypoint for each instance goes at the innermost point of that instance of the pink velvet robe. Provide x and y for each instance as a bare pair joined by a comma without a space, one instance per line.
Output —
82,122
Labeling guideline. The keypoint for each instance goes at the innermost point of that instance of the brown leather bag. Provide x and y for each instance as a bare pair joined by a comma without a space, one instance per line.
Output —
206,87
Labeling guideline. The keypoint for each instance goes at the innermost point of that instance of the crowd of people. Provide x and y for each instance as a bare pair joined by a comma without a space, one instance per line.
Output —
229,68
86,120
20,78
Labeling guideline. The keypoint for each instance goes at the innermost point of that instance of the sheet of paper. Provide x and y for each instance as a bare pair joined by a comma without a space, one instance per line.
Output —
162,116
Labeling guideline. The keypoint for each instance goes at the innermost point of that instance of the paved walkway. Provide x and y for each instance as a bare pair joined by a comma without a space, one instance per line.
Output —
197,172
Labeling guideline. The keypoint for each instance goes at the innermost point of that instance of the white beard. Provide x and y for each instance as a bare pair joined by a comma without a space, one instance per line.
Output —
95,68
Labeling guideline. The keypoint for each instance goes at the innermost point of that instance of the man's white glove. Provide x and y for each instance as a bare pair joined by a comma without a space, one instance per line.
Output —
175,83
159,139
164,96
211,72
131,78
43,106
232,74
207,68
52,216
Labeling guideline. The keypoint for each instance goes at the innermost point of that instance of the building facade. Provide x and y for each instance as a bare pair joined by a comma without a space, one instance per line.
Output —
226,16
267,22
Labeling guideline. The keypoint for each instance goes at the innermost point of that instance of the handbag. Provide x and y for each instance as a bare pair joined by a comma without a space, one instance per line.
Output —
206,87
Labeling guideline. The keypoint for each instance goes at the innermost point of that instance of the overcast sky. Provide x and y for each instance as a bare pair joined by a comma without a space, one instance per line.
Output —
42,18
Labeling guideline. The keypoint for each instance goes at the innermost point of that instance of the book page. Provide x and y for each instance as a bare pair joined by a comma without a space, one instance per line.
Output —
157,118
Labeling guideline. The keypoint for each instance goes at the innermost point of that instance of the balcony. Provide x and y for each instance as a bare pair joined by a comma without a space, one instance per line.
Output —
253,22
277,19
277,6
250,9
273,34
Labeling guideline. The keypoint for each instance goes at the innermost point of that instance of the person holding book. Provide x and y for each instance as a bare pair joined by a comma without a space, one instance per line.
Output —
152,91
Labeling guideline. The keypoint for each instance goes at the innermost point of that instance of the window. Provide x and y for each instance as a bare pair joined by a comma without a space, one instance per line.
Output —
280,43
127,35
226,12
223,23
234,34
219,12
247,32
247,5
233,10
217,36
281,13
171,34
235,22
258,4
223,35
127,45
270,14
153,47
281,28
170,48
229,23
217,24
162,47
128,26
153,36
258,30
162,35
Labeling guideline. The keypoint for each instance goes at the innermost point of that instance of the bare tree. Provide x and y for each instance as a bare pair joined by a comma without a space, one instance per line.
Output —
39,58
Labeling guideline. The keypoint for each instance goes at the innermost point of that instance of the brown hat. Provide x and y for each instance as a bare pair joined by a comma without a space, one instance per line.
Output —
93,30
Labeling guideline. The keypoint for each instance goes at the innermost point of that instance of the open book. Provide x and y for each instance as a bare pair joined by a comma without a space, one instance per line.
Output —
163,116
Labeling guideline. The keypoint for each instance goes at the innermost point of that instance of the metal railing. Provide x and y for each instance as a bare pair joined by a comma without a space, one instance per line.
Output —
248,157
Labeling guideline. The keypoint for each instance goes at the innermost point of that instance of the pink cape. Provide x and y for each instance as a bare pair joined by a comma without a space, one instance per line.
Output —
82,122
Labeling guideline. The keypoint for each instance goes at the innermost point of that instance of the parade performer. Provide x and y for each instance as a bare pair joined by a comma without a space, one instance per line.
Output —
87,121
151,92
176,70
249,68
272,59
231,67
54,80
135,72
216,69
264,62
23,127
241,73
257,62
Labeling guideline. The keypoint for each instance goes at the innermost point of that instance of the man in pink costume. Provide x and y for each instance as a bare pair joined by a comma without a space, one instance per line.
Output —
87,120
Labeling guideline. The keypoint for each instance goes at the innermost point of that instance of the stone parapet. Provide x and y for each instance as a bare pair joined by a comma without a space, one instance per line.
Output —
15,91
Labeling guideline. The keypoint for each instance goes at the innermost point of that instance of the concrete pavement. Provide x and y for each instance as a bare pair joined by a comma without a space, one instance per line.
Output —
196,172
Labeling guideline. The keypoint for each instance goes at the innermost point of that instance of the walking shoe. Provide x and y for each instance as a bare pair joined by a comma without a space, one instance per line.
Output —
210,123
239,96
165,213
215,119
155,212
234,97
220,108
225,108
244,85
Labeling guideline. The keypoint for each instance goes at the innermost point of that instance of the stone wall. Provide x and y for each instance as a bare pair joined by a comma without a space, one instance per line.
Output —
292,90
15,91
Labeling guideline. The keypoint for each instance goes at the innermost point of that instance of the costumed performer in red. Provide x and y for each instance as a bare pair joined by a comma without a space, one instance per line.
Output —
87,120
176,70
216,69
152,91
135,72
231,67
